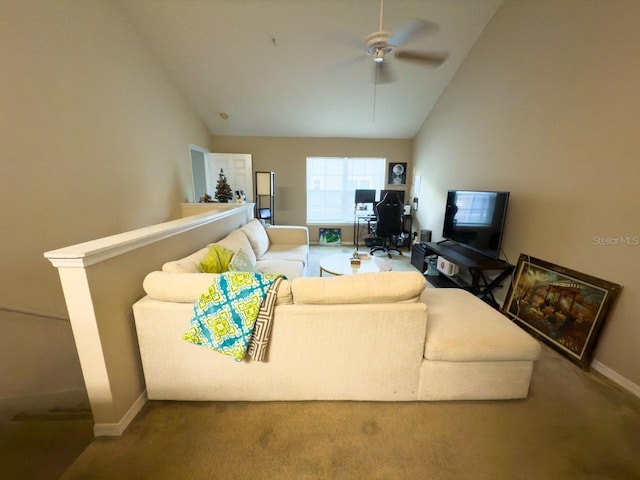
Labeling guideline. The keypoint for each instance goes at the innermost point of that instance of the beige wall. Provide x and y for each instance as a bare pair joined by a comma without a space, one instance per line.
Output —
287,158
546,106
94,141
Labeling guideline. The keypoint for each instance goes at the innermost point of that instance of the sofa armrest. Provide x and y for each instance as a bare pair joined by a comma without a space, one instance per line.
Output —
288,234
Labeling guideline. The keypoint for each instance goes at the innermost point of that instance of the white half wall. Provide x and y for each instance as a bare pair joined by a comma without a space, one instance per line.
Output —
101,280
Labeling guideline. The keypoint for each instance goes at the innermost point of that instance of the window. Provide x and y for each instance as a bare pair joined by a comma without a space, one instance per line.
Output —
332,184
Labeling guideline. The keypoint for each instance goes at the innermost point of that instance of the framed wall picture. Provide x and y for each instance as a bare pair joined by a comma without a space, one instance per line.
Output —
330,236
563,308
397,174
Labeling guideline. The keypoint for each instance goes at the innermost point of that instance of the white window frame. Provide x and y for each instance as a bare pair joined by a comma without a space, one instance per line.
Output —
332,182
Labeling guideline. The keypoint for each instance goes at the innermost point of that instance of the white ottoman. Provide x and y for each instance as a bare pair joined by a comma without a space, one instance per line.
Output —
472,351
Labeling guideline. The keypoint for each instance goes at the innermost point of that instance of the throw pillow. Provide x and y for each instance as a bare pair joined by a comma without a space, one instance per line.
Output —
237,240
257,236
241,262
217,259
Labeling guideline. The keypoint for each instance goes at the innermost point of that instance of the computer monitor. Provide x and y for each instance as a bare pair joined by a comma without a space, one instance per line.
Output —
365,196
399,192
264,213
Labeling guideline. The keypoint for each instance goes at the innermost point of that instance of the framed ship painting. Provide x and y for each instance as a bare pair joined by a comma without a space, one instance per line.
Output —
563,308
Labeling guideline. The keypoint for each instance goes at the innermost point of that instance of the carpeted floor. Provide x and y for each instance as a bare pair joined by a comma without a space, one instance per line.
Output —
574,425
41,445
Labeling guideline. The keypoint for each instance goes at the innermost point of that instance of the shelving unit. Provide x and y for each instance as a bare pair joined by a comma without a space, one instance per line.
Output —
265,195
474,268
407,229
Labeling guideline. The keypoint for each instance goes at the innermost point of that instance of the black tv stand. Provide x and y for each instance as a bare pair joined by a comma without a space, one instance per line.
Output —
473,267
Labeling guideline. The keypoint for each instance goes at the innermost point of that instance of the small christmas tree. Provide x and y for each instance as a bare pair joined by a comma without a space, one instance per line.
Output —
223,190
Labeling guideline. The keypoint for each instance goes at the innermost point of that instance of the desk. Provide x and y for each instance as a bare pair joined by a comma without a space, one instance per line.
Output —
407,228
359,222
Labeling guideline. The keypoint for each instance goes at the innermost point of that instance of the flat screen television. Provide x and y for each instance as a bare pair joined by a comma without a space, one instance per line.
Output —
475,219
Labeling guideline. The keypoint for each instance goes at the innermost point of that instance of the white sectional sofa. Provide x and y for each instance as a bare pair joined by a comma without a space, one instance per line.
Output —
372,336
472,352
275,249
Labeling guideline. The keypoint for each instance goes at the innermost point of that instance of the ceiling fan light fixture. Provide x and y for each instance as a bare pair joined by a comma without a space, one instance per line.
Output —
378,55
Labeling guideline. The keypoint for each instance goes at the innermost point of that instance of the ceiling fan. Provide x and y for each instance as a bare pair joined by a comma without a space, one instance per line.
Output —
382,44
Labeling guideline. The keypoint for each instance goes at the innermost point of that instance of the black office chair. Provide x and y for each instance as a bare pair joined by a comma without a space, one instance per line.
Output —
389,214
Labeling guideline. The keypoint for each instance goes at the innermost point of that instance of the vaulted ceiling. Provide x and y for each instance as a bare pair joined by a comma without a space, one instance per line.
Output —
299,68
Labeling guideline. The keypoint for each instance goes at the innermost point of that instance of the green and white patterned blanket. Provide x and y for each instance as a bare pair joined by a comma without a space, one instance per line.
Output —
224,317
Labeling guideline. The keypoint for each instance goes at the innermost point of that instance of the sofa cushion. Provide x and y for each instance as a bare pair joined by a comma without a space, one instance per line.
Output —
241,262
217,259
299,253
378,287
189,264
237,240
289,268
463,328
187,287
257,236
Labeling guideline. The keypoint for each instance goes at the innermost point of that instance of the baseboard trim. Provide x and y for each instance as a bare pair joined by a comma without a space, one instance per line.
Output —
117,429
616,377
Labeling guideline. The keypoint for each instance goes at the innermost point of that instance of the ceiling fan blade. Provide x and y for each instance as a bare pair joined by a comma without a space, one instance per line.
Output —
383,74
345,39
412,28
434,59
